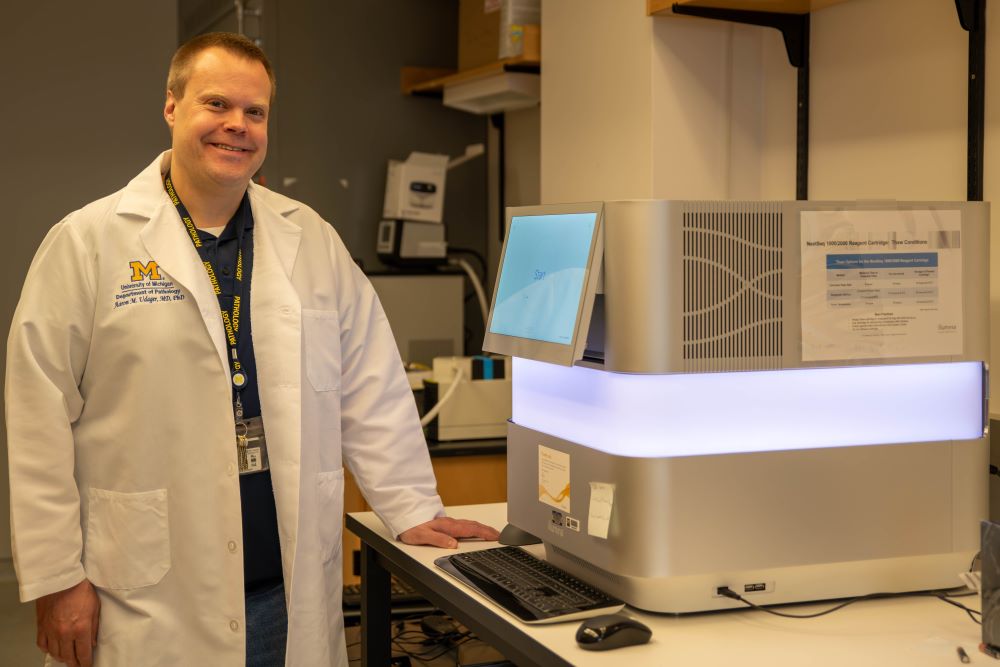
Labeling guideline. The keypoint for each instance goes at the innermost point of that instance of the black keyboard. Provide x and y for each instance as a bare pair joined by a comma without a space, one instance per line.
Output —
528,587
400,592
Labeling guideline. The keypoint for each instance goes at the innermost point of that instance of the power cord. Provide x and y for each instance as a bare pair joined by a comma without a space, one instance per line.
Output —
972,613
944,596
477,285
438,636
474,253
457,378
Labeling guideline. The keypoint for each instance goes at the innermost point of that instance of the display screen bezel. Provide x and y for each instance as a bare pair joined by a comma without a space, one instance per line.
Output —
565,354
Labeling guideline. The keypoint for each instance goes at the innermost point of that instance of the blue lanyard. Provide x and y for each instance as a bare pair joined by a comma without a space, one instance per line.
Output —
230,317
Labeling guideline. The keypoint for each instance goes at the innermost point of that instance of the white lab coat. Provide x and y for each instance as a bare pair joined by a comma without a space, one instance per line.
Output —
120,430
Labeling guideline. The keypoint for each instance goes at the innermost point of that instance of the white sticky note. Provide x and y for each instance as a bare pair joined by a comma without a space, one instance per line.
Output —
553,478
602,499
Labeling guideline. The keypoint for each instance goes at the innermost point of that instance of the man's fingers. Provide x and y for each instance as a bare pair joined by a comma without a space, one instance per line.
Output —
84,651
476,529
67,624
465,528
94,623
435,538
444,531
67,653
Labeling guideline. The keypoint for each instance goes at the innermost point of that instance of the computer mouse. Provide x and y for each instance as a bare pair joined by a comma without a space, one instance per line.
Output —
603,633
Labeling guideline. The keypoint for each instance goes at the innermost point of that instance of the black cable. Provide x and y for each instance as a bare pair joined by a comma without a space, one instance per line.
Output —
435,644
970,612
415,636
994,470
403,640
725,591
433,652
964,594
406,641
441,651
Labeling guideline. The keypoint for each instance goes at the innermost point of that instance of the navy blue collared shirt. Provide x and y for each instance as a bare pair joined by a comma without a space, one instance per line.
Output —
261,547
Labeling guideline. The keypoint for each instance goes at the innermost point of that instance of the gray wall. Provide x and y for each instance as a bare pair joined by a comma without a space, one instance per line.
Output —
85,94
339,115
82,114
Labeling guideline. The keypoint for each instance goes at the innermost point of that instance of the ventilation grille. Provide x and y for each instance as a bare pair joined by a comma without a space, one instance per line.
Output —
733,283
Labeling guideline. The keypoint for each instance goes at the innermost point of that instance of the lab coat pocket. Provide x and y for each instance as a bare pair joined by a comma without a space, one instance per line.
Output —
330,491
128,538
321,336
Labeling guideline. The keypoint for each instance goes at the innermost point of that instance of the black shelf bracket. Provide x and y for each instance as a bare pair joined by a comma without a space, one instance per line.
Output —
970,13
497,121
972,17
794,29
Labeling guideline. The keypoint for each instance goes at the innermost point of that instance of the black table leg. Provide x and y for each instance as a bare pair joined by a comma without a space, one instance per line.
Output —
376,608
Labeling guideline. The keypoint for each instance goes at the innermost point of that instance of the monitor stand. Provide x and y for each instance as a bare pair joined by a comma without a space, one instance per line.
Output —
513,536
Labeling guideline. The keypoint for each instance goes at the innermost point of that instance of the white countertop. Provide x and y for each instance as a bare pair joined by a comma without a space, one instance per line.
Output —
904,631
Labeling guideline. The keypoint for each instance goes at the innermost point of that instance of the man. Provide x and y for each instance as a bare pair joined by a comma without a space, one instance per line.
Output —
192,361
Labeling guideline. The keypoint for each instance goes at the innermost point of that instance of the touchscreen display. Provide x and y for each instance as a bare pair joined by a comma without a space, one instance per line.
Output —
542,278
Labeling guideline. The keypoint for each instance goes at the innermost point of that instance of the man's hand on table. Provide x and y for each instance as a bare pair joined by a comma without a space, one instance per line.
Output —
444,532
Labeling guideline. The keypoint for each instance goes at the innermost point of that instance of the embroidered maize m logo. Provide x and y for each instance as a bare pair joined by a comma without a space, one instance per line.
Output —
140,271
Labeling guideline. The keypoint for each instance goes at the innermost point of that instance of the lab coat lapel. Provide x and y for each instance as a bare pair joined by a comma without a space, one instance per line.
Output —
169,245
275,311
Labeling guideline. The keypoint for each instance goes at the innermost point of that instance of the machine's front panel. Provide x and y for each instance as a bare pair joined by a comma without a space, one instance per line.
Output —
662,522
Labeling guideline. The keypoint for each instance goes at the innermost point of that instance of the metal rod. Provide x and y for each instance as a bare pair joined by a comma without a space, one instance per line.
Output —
498,122
972,16
376,610
802,120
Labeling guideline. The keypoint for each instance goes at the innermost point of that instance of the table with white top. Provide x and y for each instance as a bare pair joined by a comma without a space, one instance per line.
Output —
911,631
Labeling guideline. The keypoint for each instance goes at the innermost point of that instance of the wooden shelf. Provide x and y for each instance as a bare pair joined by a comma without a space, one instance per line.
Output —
665,7
430,81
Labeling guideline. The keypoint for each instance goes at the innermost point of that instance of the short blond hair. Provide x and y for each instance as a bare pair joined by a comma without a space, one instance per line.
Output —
185,56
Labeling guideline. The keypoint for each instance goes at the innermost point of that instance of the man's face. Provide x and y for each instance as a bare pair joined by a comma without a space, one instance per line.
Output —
219,127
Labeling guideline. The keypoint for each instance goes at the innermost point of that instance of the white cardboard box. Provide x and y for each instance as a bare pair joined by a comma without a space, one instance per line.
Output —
414,188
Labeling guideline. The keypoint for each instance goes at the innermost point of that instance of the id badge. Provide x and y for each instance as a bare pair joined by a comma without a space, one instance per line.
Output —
251,446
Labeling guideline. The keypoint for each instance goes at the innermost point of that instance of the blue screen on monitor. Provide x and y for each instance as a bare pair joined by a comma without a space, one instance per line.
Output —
542,277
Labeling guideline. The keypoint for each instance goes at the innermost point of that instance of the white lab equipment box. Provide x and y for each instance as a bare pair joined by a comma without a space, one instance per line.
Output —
414,188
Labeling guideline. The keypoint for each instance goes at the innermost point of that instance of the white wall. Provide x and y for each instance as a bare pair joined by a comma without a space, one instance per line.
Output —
596,111
634,106
522,187
691,130
888,103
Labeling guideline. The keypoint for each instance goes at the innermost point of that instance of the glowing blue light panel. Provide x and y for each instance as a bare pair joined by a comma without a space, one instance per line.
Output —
723,413
542,278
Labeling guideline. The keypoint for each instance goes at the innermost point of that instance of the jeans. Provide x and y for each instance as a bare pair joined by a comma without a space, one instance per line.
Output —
267,627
